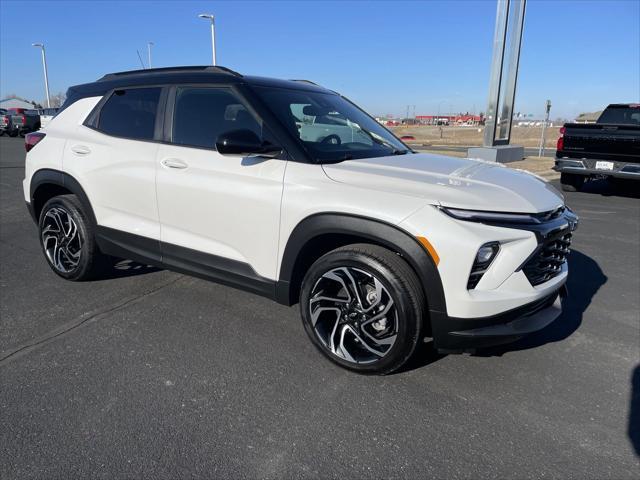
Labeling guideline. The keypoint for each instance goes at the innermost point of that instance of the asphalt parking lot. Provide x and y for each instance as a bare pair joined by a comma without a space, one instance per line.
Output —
158,375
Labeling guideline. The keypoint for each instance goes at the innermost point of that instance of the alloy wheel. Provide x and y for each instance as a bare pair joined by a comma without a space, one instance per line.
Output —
61,239
353,315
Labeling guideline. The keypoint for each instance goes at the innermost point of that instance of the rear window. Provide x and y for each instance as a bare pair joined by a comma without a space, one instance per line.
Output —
622,115
130,113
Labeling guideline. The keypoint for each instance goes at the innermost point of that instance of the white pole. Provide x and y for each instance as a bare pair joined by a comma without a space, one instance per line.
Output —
209,16
213,40
46,75
149,45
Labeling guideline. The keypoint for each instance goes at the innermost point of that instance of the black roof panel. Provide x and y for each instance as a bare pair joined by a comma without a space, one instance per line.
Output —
176,75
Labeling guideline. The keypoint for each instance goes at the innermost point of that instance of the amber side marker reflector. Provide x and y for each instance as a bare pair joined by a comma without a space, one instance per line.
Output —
432,251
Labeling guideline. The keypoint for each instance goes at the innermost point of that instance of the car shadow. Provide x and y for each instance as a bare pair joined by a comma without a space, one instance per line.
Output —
585,279
121,268
613,187
634,411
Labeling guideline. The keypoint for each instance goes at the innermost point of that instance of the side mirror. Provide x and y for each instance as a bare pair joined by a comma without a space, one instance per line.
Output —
245,143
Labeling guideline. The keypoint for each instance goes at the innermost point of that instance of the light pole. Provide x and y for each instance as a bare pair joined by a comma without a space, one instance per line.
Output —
209,16
149,45
46,75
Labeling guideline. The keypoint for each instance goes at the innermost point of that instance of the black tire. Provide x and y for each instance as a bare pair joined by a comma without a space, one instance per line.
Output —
89,262
571,182
396,281
1,133
13,134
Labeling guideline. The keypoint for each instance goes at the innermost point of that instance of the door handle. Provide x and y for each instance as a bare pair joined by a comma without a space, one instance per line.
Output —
80,150
174,163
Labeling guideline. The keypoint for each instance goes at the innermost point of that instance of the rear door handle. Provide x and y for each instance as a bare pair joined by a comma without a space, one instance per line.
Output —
80,150
174,163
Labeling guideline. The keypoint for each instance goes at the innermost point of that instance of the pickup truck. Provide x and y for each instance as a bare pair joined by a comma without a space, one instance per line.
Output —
5,122
608,148
23,121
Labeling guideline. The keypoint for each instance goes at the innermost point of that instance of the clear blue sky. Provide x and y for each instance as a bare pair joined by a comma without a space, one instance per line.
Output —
383,55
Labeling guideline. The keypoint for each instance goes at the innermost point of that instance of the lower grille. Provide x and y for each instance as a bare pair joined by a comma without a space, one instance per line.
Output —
547,261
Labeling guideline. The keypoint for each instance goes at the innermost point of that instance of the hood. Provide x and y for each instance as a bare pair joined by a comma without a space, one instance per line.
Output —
450,181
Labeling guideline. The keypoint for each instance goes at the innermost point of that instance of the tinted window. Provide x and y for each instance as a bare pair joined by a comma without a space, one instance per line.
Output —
201,114
622,115
130,113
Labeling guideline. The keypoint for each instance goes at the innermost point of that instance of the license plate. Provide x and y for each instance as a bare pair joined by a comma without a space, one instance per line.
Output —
604,165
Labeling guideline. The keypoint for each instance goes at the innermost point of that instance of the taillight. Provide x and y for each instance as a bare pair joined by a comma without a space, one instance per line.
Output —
24,120
32,139
560,145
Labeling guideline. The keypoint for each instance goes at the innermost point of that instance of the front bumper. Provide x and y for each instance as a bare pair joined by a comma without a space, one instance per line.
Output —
586,167
468,334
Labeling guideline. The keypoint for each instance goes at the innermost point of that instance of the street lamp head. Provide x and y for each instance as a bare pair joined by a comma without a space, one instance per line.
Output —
41,45
208,16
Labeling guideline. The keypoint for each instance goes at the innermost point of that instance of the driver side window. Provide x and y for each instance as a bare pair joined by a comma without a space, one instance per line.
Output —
201,114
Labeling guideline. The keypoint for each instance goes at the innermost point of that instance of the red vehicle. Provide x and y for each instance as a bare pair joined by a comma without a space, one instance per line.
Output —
407,138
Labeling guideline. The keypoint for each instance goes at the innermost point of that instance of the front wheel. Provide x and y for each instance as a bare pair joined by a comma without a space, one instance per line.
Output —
67,239
363,308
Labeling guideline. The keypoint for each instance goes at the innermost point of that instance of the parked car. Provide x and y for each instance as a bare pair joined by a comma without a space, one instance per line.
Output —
608,148
408,138
46,114
5,121
290,191
23,121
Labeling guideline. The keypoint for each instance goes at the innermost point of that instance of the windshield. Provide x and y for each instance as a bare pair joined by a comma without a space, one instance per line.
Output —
330,128
622,115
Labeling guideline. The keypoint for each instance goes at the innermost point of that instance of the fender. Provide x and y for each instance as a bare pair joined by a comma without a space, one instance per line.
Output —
62,179
377,231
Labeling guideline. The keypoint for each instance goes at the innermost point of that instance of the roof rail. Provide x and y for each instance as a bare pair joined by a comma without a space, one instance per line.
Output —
304,81
189,68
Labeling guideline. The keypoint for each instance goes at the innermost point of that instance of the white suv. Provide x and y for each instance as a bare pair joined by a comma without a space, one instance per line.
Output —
289,190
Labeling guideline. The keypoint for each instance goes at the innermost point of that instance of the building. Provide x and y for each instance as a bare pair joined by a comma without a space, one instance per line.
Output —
459,119
588,117
17,102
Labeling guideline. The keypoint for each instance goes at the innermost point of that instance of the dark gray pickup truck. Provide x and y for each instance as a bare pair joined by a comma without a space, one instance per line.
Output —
608,148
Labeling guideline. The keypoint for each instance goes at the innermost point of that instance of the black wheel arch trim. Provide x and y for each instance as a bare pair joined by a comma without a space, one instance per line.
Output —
378,231
62,179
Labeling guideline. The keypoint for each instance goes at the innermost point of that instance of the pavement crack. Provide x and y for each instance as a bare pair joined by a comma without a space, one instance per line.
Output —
68,327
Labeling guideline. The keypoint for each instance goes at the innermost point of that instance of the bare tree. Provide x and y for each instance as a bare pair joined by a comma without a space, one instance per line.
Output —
58,99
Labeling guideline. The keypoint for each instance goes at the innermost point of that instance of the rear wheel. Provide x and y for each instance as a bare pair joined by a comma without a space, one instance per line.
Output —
362,307
571,182
67,239
13,133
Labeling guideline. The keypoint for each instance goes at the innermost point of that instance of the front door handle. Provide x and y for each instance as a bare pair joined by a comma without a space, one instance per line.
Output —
174,163
80,150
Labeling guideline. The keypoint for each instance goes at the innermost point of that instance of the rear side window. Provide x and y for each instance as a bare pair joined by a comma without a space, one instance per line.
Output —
202,114
622,115
130,113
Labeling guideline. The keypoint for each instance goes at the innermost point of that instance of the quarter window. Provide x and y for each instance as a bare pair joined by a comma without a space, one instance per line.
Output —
130,113
202,114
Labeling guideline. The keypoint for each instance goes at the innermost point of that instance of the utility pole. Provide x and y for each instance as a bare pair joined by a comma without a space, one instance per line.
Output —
46,74
407,117
149,45
544,127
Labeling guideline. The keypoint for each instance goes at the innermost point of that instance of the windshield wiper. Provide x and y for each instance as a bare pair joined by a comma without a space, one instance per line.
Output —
400,152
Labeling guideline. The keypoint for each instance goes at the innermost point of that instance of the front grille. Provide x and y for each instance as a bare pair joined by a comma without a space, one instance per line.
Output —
547,261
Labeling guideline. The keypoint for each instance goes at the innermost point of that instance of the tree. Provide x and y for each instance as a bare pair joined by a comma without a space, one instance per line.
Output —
58,99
